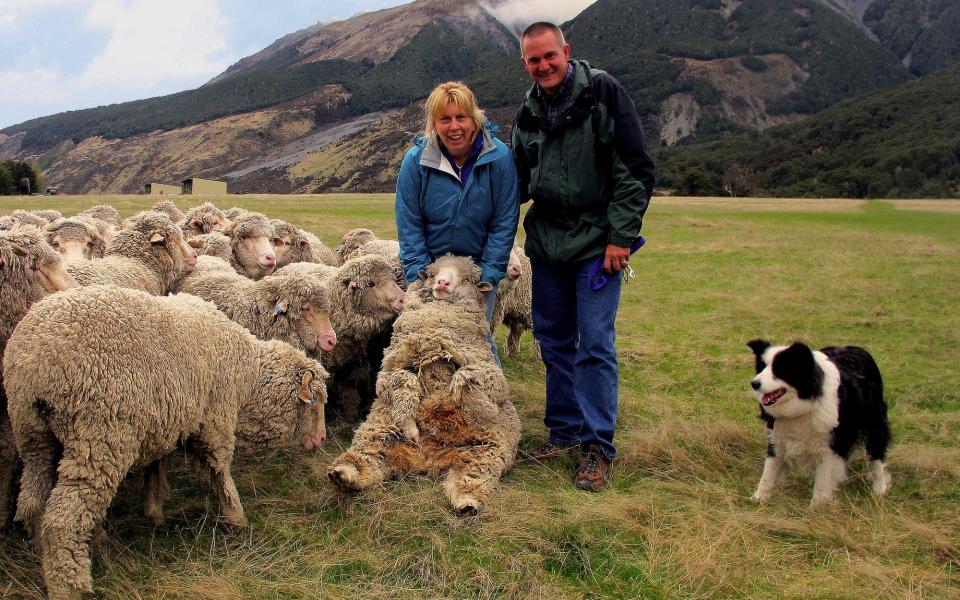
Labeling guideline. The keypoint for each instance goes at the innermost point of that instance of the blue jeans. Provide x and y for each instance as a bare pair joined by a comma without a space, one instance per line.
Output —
575,328
490,298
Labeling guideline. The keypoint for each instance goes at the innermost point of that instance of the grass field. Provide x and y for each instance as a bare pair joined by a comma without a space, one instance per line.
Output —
677,522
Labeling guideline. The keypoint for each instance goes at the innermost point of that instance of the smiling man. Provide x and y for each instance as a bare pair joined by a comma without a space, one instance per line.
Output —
581,157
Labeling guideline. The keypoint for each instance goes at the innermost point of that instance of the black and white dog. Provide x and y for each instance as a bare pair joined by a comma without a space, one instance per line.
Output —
817,406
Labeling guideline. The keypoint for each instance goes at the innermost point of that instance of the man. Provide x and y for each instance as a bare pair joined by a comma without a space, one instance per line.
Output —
581,158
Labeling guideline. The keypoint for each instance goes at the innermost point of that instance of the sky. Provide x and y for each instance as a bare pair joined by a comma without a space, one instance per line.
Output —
59,55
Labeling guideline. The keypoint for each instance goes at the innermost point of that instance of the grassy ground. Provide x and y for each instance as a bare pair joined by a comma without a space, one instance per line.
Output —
677,522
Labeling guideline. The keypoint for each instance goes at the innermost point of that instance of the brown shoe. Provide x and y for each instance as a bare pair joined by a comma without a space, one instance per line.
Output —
550,451
593,473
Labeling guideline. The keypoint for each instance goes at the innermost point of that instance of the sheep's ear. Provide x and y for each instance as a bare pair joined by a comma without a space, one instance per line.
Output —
156,238
484,286
17,249
304,243
304,392
195,243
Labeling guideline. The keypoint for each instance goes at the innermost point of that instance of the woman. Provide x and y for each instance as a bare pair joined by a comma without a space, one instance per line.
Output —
457,190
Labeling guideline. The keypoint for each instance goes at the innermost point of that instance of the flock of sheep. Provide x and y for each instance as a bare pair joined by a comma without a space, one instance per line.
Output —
125,340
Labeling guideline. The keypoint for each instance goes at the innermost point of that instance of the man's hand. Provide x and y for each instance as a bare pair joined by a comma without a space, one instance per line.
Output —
615,258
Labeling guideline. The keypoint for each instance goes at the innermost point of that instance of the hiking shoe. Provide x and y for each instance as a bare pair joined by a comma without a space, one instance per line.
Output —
593,472
550,451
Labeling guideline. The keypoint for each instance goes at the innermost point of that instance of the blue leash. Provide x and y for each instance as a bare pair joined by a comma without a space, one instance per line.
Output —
598,277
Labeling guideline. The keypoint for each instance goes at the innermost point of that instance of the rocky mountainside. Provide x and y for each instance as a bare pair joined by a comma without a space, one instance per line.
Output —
333,107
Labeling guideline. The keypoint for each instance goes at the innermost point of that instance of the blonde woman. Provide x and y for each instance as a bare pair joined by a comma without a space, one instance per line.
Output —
457,190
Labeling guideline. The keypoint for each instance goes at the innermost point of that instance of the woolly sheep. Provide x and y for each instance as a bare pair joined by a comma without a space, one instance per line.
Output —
106,214
292,309
364,299
148,254
235,213
25,217
251,251
29,269
442,403
362,242
204,219
48,214
99,383
170,209
76,238
513,306
293,245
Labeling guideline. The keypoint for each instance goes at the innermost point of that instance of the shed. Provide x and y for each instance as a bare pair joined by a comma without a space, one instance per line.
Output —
163,189
196,186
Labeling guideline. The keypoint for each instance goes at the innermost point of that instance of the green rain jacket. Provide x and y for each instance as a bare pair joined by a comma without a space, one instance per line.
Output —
590,176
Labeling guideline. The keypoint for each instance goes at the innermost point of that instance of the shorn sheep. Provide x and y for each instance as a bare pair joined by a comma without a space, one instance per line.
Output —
204,219
76,238
442,405
29,270
148,254
364,299
102,380
292,309
251,245
513,306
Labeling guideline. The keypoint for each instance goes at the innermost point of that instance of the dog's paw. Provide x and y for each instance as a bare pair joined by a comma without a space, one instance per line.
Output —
345,477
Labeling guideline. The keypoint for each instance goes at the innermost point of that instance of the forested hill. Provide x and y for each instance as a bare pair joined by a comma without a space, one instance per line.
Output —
900,143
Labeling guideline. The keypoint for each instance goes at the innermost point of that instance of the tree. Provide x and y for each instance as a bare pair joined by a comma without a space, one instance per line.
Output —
739,180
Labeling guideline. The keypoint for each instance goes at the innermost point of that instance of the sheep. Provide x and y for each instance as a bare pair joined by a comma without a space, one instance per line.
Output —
76,238
364,299
294,245
148,254
513,306
100,382
105,213
442,404
29,269
204,219
352,240
213,244
48,214
170,209
294,310
235,213
363,242
25,217
251,237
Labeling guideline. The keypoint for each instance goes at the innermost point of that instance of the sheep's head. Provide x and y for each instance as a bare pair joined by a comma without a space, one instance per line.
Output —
368,285
454,279
152,237
76,238
302,302
352,240
104,212
289,245
204,219
170,209
26,258
514,266
253,236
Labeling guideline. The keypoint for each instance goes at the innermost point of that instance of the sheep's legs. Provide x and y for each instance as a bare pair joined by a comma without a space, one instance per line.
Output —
215,447
86,485
378,452
155,491
513,338
39,456
9,465
470,483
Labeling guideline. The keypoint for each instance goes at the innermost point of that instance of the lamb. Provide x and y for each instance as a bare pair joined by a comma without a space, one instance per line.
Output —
513,306
76,238
170,209
364,299
203,219
251,237
294,310
156,388
29,269
442,403
148,254
295,245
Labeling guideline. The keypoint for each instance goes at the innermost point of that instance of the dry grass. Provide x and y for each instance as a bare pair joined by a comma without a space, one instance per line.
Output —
677,522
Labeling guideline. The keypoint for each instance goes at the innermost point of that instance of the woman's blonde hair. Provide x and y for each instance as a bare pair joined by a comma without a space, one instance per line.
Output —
458,93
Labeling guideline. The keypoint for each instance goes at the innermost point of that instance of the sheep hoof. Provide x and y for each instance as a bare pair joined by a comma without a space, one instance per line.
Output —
467,506
234,520
345,477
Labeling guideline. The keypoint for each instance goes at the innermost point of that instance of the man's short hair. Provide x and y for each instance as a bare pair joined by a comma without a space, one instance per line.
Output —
541,27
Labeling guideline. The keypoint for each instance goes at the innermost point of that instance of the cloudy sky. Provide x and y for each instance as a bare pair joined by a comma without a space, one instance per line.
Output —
58,55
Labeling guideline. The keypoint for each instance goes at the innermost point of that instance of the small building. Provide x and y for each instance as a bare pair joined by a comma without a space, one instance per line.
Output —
196,186
163,189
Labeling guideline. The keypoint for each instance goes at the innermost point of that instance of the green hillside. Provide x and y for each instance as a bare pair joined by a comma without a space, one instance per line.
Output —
898,143
927,31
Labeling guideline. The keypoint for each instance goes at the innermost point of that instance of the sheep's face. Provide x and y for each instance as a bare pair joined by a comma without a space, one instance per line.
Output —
25,256
372,288
312,322
76,239
204,219
514,266
454,279
253,237
288,249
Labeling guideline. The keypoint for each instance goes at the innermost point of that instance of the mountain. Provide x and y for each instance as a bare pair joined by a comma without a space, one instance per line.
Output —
333,107
902,142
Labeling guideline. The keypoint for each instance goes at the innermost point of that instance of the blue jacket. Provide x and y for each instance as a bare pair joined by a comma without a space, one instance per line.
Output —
436,215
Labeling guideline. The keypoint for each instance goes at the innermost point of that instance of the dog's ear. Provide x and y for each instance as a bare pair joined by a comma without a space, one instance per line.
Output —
797,366
759,347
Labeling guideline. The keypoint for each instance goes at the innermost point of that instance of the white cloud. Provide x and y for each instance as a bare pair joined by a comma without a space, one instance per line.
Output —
518,14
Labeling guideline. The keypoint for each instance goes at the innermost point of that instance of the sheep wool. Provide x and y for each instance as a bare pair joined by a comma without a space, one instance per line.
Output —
442,404
76,238
170,209
99,382
203,219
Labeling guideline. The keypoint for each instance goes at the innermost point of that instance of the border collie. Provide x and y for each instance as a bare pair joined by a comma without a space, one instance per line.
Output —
817,406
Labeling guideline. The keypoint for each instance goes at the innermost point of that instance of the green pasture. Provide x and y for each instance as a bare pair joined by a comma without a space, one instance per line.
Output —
677,521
